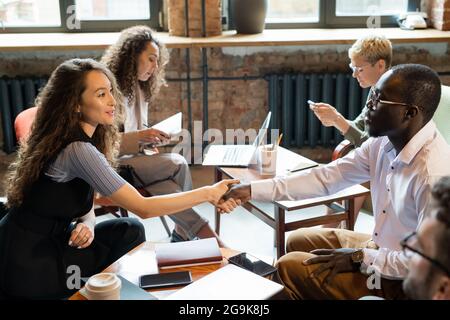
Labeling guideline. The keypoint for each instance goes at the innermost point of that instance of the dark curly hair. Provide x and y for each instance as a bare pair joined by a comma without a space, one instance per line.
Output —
57,104
441,198
122,59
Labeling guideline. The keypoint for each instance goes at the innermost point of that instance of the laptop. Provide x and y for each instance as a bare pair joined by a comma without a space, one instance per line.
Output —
236,155
228,283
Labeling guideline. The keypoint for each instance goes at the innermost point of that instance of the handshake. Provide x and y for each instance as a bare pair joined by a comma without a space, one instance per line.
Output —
229,194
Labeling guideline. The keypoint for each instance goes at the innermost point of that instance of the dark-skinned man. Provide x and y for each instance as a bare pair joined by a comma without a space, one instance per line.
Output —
403,158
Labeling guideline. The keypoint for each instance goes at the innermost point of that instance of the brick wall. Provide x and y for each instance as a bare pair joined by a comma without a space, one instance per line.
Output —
438,13
239,103
176,18
244,104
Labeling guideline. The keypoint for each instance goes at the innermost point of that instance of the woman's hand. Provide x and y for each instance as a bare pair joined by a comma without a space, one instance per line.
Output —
216,191
153,136
81,237
228,205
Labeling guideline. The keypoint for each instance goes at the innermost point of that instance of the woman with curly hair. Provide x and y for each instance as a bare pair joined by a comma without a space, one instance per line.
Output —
138,61
50,227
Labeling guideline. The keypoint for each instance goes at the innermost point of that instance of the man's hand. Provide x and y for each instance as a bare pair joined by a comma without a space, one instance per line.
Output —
240,192
329,116
326,113
335,260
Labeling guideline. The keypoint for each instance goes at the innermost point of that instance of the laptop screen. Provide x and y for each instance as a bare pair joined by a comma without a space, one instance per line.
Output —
262,132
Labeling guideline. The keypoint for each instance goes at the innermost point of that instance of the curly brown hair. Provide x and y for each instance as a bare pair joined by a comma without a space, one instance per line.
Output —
122,59
57,104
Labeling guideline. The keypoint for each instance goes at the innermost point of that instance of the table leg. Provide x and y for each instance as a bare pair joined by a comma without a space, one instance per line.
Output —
350,208
217,177
280,229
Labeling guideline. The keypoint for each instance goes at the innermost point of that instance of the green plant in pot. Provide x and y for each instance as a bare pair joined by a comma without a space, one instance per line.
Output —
249,15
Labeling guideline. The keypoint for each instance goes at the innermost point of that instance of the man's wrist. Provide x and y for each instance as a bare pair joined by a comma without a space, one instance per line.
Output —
341,124
357,258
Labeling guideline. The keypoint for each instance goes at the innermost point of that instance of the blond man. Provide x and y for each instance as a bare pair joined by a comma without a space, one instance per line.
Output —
370,57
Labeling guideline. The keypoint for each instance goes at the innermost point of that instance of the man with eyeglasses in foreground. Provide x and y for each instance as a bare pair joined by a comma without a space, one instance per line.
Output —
428,250
403,158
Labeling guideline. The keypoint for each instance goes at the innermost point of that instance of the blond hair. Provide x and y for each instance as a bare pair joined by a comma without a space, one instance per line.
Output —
372,48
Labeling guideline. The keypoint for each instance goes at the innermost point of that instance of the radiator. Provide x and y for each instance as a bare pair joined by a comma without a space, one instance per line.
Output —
16,94
288,96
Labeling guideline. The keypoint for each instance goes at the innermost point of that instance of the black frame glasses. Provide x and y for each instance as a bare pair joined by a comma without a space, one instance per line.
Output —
405,246
374,100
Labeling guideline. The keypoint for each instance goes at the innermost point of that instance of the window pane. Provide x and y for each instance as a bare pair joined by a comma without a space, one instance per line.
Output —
370,7
29,13
113,9
293,11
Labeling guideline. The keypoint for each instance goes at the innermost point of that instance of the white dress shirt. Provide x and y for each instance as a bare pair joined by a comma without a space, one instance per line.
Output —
400,189
136,113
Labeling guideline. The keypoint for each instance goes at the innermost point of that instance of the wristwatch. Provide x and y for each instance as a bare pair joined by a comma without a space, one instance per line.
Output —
358,257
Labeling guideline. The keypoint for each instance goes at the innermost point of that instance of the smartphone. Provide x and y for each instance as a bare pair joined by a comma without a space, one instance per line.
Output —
253,264
159,280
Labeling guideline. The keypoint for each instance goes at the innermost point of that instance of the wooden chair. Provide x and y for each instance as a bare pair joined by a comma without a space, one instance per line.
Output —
103,205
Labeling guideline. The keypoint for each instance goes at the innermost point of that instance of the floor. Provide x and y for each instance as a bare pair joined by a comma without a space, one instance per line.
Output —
240,230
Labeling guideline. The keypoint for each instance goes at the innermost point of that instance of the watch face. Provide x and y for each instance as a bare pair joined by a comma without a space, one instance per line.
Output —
358,256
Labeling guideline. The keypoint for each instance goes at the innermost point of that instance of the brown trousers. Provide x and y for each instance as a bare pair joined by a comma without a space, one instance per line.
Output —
349,285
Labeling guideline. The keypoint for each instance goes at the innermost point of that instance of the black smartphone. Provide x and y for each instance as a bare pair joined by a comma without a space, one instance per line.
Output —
159,280
253,264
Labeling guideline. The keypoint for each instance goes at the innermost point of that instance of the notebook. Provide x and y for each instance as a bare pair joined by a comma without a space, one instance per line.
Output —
172,126
188,253
228,283
236,155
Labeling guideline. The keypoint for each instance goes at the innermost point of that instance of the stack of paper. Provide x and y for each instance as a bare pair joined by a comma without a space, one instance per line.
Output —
188,253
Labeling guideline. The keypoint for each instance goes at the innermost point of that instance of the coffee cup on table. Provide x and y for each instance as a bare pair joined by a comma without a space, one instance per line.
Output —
268,160
103,286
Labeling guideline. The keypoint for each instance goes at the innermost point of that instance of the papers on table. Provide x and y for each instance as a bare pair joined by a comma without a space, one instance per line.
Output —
188,253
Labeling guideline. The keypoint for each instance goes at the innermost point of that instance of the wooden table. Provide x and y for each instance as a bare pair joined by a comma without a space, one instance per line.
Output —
274,214
142,260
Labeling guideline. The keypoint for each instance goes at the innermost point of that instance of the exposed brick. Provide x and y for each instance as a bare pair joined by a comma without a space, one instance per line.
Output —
176,18
439,13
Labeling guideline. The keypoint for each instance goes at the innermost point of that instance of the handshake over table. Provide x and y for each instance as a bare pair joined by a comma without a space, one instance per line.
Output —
230,194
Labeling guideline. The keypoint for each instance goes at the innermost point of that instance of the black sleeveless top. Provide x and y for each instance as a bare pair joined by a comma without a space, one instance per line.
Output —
34,250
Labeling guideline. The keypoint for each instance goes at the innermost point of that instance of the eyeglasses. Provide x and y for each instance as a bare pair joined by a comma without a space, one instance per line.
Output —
358,69
410,251
374,100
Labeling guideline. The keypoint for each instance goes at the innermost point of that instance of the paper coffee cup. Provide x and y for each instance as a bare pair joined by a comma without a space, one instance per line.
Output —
103,286
268,160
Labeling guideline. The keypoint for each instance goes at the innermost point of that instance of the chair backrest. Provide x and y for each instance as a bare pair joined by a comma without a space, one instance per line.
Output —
23,122
442,115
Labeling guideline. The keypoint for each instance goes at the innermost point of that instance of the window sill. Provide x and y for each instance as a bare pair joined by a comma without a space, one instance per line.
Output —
272,37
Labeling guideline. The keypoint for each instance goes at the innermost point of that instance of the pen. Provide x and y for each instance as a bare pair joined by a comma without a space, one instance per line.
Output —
279,140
